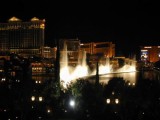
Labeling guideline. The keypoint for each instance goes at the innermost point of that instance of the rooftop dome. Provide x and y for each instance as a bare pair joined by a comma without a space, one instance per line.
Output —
34,19
13,19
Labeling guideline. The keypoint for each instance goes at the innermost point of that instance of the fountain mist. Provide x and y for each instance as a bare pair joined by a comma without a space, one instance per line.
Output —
69,74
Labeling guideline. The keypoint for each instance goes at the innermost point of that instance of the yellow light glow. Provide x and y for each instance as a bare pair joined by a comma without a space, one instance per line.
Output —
144,50
33,98
108,101
116,101
40,99
148,47
34,19
48,111
14,19
42,26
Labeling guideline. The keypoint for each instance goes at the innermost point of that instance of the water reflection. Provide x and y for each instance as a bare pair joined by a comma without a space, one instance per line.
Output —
128,76
131,77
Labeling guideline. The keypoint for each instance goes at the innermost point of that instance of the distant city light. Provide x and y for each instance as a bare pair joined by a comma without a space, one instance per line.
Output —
38,82
48,111
108,101
3,79
40,99
40,117
148,47
144,50
116,101
17,80
33,98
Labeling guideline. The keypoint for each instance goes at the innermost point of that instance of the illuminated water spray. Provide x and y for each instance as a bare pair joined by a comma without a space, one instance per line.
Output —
69,74
103,69
64,69
81,69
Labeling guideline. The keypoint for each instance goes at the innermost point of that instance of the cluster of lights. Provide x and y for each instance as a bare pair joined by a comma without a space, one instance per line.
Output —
10,119
3,79
133,84
36,69
37,82
116,101
40,98
18,81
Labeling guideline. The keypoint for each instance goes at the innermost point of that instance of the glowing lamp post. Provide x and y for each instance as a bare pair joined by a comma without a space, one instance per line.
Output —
129,83
117,101
48,111
72,103
40,99
133,84
33,98
108,101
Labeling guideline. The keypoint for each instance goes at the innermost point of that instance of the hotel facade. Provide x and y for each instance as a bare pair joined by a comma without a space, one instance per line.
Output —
150,53
23,38
105,49
93,52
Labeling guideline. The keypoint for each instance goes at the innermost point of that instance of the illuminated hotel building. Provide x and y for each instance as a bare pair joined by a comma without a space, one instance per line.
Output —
23,38
75,51
105,49
150,53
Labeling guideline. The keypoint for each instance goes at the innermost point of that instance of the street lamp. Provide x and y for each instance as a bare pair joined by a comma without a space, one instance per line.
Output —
33,98
108,101
72,103
116,101
133,84
40,98
48,110
129,83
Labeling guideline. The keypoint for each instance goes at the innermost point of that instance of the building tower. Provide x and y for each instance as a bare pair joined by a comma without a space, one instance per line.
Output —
23,38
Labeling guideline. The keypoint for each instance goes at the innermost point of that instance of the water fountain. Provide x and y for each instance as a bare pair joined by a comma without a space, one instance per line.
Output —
69,74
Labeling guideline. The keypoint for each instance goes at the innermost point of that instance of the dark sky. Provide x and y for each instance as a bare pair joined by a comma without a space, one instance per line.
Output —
128,24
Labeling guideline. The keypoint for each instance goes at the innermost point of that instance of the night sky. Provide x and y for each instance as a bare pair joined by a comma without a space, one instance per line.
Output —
127,24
